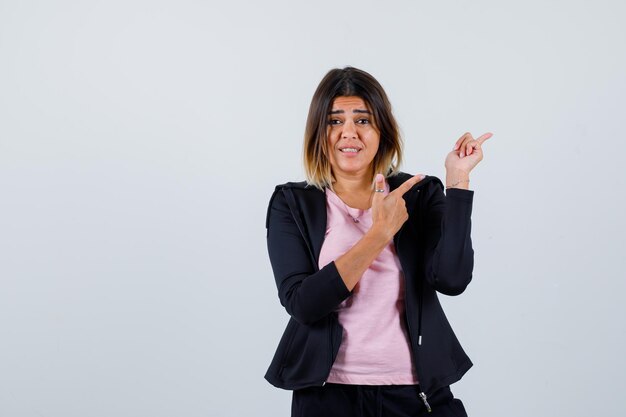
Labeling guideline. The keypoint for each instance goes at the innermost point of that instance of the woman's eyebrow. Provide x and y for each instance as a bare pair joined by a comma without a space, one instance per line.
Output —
353,111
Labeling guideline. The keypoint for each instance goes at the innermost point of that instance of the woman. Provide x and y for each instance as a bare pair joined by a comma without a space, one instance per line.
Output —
358,252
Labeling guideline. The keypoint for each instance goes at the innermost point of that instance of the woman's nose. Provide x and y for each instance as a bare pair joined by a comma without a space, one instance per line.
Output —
349,130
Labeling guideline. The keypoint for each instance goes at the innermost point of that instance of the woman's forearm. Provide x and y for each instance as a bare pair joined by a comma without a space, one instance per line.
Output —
449,257
457,179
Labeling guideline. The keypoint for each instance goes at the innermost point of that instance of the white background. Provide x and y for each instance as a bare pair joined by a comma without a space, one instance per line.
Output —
140,142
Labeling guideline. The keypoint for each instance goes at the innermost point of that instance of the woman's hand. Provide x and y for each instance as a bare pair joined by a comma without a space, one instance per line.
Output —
388,215
389,211
467,153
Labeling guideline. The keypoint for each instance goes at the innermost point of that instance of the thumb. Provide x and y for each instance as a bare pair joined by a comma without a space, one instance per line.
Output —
379,188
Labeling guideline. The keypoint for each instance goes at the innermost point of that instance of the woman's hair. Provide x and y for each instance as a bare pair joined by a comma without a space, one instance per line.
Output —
346,82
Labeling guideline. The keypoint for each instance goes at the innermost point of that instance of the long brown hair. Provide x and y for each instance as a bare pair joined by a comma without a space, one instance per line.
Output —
349,81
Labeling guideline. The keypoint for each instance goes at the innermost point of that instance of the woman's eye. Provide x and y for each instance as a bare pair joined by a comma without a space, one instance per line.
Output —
334,121
363,121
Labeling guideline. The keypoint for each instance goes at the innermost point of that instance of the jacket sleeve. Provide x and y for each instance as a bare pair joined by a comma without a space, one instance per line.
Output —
307,293
449,256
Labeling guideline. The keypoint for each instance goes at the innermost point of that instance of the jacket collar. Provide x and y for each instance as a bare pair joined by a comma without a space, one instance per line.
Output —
394,182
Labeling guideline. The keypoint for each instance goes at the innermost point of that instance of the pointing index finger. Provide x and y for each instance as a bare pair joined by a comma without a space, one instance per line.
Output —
408,184
484,137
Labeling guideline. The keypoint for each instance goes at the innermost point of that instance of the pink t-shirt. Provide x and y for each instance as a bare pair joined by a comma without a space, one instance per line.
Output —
375,346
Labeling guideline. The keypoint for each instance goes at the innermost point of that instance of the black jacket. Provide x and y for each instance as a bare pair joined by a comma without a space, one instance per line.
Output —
435,250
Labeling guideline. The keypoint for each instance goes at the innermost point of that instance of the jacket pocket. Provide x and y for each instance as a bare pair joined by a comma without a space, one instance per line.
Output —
284,346
307,353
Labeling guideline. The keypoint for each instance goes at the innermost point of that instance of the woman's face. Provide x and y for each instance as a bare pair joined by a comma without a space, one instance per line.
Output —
352,137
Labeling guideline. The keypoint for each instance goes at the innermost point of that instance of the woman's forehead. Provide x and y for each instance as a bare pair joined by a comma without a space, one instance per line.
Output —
349,102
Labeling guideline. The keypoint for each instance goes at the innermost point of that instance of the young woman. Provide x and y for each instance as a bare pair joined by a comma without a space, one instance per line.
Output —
359,251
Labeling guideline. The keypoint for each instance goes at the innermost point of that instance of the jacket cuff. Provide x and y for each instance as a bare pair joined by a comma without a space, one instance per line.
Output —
460,194
342,291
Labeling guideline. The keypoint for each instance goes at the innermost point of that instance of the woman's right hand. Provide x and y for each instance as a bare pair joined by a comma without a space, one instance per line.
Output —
389,211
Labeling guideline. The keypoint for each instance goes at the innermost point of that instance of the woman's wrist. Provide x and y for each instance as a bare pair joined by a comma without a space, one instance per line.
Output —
379,234
457,179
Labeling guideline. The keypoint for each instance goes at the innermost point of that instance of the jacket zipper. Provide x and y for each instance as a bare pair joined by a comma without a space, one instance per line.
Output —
419,313
421,394
330,345
425,401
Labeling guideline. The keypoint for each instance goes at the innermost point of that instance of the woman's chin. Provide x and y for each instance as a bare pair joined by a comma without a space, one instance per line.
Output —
351,169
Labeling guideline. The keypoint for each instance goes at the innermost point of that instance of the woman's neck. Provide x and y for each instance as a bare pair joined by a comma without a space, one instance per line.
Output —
353,185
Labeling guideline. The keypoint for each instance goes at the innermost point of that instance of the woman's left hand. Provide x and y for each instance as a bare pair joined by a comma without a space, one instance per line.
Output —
467,153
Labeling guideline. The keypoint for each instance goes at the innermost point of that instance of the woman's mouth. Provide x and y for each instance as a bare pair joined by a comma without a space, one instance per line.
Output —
349,150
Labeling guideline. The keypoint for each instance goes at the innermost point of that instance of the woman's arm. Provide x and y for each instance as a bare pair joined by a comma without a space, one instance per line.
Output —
388,215
306,293
449,256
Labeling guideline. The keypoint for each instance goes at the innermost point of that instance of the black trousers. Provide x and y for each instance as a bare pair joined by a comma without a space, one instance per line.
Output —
373,401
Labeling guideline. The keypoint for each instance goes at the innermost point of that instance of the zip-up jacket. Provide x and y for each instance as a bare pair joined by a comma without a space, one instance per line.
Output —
435,251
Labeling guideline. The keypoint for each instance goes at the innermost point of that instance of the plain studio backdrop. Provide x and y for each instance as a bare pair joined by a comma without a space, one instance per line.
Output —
140,142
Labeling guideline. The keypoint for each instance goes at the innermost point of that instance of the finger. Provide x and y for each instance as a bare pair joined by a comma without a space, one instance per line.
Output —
460,140
463,149
408,184
484,137
463,146
475,148
379,184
